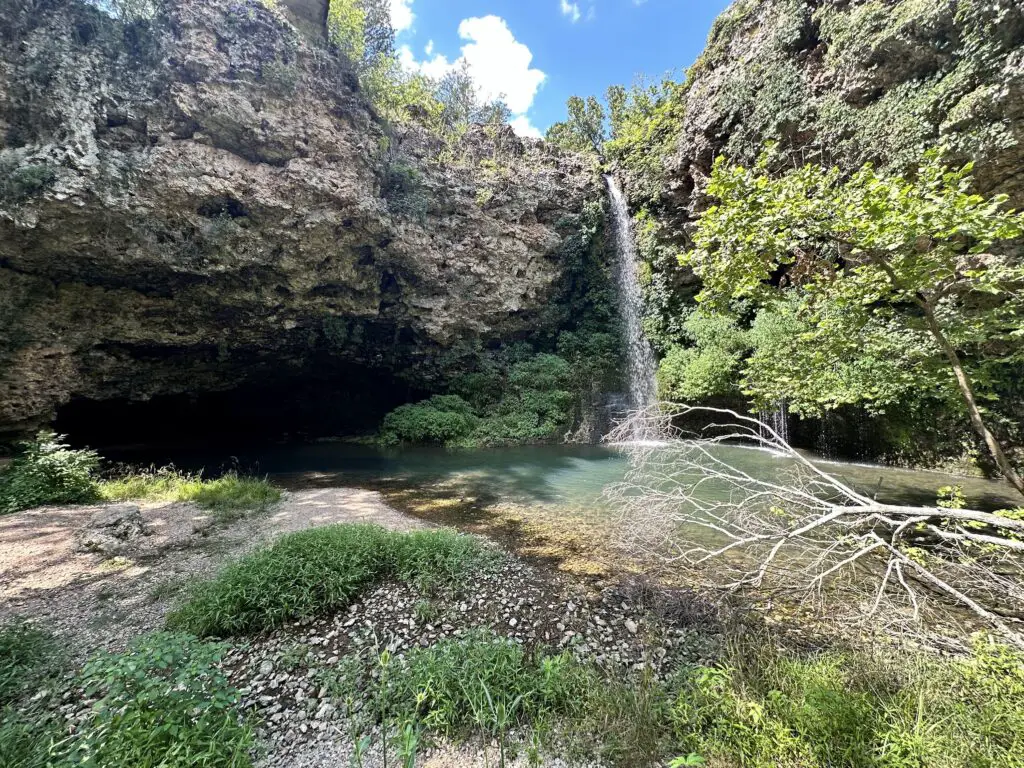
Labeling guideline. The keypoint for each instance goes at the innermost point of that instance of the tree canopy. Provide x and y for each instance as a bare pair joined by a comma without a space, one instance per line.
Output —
898,282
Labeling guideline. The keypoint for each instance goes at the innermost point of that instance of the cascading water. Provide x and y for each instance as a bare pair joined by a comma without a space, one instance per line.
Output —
778,420
640,364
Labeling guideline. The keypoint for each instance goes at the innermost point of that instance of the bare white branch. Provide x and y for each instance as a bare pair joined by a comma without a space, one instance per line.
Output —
775,521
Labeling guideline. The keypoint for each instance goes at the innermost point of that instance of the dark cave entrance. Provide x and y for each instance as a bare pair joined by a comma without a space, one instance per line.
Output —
294,410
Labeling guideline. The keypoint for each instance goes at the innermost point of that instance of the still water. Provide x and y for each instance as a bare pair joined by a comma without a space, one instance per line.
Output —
543,475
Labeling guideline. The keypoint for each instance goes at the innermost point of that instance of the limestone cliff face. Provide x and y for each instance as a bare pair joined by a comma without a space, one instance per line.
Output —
204,200
851,81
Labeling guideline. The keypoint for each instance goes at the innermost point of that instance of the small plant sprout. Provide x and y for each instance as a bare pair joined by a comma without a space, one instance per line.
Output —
360,746
409,737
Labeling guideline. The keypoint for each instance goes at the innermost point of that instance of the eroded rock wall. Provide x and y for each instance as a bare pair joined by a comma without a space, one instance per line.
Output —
852,81
205,199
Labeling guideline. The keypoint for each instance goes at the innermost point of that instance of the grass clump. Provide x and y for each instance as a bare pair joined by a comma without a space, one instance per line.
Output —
164,702
27,656
320,570
483,682
863,709
48,471
29,661
227,496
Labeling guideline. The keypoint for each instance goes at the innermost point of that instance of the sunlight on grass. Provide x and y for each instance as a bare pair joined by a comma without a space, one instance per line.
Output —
226,496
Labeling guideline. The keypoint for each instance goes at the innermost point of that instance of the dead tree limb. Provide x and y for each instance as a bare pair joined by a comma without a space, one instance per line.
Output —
778,522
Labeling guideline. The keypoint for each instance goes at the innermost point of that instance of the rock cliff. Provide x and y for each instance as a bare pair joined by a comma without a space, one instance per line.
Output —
203,200
850,81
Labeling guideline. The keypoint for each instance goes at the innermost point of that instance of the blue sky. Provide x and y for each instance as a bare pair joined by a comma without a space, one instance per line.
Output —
538,53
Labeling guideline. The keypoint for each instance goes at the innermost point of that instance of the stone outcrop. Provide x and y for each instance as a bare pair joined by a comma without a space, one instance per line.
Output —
112,530
204,199
851,81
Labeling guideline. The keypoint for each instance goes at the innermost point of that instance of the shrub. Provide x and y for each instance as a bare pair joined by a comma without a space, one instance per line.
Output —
320,570
164,702
20,182
879,709
441,419
536,403
48,471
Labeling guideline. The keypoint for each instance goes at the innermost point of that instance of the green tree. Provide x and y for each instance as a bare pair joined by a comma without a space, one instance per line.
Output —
584,131
457,94
875,254
361,30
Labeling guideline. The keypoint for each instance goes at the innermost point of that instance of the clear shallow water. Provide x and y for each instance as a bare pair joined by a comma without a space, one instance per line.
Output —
543,475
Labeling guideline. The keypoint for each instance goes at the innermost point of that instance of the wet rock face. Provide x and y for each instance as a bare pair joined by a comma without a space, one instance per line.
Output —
205,200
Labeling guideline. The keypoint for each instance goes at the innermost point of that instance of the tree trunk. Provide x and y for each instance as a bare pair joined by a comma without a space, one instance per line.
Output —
972,406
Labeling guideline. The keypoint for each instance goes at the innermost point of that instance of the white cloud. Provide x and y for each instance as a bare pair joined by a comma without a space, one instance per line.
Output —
401,14
572,10
523,127
429,50
499,64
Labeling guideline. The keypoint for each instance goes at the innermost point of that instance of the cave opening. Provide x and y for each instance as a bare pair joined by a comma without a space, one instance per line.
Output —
231,422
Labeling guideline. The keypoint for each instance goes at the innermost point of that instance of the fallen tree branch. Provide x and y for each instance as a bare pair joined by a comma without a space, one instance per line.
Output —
692,498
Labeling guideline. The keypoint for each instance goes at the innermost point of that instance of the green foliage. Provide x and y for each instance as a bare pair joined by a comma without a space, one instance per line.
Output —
27,656
584,130
403,190
28,738
854,709
709,367
873,255
461,685
164,702
442,419
47,471
510,400
229,491
19,182
535,403
645,121
29,659
313,572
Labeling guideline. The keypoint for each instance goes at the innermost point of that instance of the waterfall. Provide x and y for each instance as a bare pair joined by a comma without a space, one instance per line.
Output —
777,419
640,368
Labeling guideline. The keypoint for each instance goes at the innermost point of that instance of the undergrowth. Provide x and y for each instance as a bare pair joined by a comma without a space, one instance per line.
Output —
48,471
163,702
227,496
322,570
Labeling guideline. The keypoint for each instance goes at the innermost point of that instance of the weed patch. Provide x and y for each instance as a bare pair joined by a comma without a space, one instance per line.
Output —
321,570
164,703
27,656
228,497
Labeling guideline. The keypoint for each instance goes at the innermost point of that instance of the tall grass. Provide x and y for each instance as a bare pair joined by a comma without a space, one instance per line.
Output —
321,570
867,708
227,496
467,683
29,659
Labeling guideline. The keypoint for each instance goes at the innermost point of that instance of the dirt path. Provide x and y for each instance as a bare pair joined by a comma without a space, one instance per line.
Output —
99,601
